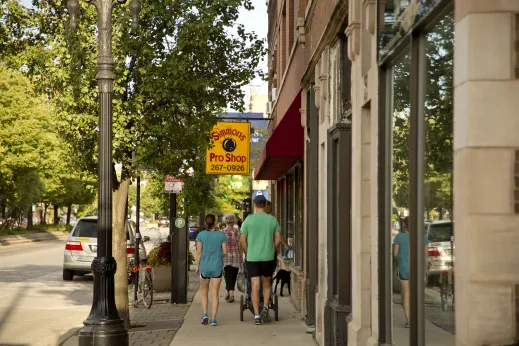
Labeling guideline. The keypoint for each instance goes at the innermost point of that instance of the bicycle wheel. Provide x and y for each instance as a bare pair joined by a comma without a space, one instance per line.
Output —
146,290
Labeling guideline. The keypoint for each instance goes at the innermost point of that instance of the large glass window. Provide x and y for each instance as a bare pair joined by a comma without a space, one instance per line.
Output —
400,197
420,91
399,17
437,179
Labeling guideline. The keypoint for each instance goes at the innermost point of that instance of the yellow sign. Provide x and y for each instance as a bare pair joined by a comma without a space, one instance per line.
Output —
230,153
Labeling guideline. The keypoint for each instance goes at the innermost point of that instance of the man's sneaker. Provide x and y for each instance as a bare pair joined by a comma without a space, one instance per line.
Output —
257,320
213,322
205,319
231,299
227,298
265,316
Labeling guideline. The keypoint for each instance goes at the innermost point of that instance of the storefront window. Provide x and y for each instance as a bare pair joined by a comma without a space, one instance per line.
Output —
298,234
437,180
432,75
399,17
400,197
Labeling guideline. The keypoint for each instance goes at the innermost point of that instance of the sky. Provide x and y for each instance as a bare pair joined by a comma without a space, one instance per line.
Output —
255,20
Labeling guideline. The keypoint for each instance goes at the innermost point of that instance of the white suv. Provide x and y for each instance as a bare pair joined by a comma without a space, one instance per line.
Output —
81,247
441,247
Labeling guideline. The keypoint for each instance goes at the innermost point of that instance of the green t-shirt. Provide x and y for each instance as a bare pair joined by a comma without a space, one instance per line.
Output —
259,229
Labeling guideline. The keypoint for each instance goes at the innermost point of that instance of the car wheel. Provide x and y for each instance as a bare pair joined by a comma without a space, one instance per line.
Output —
68,275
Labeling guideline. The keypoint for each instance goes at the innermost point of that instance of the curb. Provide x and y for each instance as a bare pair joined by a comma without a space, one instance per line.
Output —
9,240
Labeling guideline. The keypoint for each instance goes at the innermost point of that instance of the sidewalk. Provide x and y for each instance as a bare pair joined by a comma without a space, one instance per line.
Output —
288,331
155,326
434,335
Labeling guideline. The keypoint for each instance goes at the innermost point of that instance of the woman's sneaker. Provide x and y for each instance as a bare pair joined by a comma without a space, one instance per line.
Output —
205,319
227,298
231,299
265,316
406,325
257,320
213,322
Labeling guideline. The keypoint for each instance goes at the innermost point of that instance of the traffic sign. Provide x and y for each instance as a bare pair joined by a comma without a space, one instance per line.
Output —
180,222
172,185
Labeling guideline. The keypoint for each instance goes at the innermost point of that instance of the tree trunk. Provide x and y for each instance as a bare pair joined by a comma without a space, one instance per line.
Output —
119,199
69,210
41,216
29,218
56,217
3,207
45,207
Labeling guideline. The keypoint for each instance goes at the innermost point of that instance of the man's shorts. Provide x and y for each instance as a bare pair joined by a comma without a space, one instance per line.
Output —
256,269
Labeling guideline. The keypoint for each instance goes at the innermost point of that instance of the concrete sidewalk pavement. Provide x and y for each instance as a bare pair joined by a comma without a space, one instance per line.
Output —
434,335
288,331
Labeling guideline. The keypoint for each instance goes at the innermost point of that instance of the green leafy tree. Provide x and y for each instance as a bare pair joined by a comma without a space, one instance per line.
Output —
172,78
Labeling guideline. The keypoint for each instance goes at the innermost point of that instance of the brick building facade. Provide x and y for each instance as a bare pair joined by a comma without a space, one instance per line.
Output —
381,117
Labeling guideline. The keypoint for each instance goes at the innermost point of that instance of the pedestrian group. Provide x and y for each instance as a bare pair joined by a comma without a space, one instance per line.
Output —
223,253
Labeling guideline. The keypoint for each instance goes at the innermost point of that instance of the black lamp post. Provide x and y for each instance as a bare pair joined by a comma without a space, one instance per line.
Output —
104,326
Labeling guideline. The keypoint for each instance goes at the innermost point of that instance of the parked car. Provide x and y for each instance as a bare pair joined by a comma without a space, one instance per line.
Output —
163,221
81,247
441,248
193,231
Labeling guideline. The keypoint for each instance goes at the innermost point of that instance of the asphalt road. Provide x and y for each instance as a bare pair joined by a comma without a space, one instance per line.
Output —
37,306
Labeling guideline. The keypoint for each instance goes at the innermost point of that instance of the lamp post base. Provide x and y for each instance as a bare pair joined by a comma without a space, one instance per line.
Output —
111,333
103,326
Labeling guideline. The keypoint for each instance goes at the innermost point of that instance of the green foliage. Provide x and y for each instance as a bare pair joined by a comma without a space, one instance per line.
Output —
160,255
230,189
438,121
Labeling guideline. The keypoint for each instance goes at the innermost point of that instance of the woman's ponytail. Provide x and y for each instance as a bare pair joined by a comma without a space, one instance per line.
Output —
210,220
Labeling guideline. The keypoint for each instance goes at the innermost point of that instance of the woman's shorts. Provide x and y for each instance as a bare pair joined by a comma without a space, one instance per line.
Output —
211,277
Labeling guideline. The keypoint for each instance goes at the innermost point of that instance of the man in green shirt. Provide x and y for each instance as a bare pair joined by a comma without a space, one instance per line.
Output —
260,235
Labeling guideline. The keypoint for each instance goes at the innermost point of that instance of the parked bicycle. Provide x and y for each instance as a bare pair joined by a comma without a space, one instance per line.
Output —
447,289
142,273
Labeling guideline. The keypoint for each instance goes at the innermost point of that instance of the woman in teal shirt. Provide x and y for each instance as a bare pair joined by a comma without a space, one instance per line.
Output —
211,248
401,254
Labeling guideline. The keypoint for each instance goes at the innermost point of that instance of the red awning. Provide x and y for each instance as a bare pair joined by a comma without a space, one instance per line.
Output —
285,146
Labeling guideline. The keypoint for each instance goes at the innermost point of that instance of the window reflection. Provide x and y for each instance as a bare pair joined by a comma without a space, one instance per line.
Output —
399,17
400,196
438,183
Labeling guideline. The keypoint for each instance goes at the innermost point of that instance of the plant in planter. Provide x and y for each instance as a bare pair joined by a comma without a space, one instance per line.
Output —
160,260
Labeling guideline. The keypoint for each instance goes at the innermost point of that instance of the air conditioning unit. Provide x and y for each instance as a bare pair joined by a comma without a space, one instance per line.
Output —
268,109
274,94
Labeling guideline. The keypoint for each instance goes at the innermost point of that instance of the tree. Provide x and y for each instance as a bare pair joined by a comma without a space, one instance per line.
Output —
26,142
172,79
438,121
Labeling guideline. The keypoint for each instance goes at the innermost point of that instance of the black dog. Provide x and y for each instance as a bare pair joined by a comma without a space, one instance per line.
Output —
283,276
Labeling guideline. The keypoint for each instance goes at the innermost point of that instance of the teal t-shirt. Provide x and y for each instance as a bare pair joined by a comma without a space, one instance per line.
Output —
402,240
211,260
259,229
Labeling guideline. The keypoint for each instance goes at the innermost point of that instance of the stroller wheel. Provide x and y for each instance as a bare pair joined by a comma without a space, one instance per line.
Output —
241,307
276,308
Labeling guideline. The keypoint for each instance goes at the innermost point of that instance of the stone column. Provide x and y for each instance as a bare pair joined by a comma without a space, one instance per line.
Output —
486,144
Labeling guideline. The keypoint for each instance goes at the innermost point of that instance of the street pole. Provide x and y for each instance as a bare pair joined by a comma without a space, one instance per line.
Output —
104,326
174,253
137,237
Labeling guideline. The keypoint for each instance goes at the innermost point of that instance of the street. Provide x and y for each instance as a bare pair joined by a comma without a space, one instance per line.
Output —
37,306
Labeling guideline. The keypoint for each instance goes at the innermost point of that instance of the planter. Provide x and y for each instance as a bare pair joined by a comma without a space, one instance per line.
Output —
162,279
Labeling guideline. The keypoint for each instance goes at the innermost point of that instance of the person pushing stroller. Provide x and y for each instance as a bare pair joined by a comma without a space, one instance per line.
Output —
260,235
